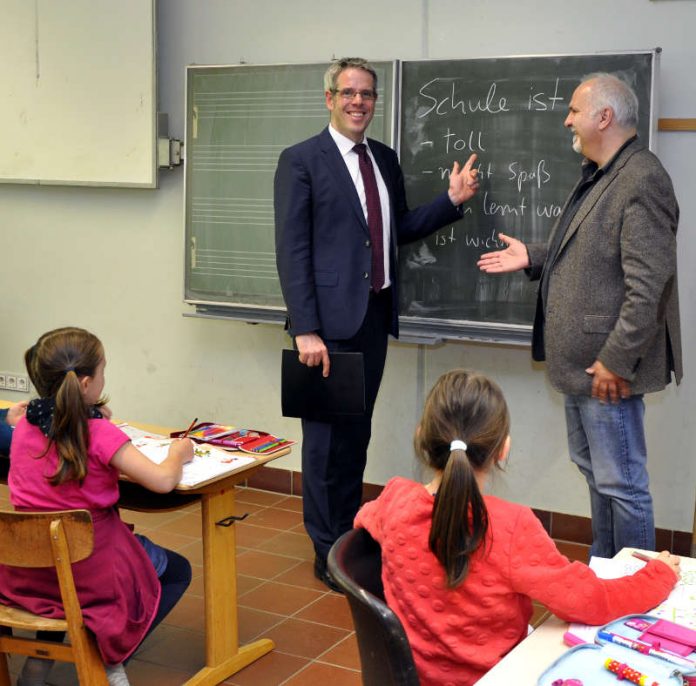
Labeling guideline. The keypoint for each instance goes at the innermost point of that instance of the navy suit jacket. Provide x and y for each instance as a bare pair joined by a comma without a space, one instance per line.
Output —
323,251
5,434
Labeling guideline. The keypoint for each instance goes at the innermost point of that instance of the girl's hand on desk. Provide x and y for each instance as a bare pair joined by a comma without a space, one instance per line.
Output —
16,412
672,561
182,450
105,410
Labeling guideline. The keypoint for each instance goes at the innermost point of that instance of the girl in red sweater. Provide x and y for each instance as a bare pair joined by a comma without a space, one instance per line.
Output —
460,569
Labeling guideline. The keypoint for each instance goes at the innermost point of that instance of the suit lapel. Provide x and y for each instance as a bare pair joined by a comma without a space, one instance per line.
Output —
338,170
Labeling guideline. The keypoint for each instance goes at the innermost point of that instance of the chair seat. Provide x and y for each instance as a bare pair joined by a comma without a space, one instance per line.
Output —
21,619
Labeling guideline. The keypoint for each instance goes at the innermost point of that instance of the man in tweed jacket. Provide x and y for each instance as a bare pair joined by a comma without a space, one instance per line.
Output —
607,320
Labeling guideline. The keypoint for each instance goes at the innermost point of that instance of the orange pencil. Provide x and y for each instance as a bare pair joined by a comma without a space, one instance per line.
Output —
191,425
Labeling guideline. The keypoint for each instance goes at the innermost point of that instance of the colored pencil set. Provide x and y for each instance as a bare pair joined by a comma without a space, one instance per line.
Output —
227,437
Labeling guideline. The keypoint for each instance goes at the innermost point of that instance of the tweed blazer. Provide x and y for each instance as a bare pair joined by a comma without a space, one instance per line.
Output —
612,287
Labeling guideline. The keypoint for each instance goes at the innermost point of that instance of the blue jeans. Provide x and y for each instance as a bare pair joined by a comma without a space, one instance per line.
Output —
607,443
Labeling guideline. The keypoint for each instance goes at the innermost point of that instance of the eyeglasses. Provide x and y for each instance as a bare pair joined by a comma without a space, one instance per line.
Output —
350,93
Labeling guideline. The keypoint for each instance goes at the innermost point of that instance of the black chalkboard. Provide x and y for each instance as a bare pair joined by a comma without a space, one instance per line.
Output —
510,111
238,120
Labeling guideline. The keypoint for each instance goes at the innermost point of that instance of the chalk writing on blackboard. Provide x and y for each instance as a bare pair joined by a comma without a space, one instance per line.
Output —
510,112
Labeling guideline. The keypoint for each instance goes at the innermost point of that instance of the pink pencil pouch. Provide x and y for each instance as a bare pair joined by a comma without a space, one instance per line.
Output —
666,635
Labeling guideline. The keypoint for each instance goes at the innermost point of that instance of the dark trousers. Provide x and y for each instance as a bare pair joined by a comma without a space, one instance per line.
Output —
334,453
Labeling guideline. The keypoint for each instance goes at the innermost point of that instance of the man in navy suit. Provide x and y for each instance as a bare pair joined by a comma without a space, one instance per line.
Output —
336,250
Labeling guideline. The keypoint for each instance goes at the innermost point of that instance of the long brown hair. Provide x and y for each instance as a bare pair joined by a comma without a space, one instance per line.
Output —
467,406
55,364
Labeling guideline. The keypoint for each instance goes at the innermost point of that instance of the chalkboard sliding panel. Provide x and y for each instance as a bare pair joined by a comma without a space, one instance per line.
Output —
239,119
79,93
510,112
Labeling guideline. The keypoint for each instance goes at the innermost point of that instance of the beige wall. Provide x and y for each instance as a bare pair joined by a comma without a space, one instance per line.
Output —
112,259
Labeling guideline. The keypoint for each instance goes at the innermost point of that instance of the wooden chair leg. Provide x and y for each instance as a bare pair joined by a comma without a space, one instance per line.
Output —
4,671
88,661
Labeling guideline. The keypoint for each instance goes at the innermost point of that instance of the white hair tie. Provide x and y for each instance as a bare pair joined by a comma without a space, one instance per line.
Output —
457,445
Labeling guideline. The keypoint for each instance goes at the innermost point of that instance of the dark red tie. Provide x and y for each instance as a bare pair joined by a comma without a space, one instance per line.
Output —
374,216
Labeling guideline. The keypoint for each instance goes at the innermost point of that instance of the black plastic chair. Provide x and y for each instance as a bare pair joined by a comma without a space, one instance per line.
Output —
355,563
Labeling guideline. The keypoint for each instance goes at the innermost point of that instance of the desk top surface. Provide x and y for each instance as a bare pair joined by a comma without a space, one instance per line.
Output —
221,482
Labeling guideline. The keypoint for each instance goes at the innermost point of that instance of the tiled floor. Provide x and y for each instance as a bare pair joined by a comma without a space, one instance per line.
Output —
279,598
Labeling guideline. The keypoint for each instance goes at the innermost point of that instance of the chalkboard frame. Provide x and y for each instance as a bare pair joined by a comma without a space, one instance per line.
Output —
216,308
432,330
425,329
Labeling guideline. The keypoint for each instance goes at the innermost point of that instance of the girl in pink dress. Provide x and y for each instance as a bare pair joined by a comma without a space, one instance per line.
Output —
66,454
460,569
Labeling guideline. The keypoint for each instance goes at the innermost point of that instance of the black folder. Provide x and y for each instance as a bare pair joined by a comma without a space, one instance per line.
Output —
306,393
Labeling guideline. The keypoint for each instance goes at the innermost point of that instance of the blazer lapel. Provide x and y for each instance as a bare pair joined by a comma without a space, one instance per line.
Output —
596,193
339,171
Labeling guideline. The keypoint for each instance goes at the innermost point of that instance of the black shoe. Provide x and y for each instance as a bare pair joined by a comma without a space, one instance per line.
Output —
323,574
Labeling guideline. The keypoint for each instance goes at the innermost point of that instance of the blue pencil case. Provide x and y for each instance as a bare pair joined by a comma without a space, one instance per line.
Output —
620,655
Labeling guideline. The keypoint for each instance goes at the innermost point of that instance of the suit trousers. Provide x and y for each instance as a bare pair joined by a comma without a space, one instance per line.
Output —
334,452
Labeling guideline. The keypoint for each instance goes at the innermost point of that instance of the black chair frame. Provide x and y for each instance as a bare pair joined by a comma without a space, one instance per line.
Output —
355,563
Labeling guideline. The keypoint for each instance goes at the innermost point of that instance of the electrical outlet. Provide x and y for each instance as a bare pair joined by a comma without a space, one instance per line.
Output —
3,381
10,382
22,383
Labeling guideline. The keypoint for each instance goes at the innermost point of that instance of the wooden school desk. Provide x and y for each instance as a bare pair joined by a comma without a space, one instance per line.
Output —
523,665
223,654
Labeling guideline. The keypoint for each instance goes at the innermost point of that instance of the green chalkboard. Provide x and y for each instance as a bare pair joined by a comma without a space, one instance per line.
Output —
510,111
239,119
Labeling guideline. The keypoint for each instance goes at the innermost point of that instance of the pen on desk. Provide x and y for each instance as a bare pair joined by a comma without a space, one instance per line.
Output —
642,556
644,648
191,425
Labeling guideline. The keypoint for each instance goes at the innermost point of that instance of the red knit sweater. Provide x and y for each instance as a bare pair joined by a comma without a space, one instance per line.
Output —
458,634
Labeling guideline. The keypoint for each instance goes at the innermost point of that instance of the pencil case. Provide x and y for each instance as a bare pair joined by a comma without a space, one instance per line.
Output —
250,441
206,432
610,660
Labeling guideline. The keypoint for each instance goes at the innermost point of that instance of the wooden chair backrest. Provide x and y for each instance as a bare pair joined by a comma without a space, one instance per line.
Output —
25,537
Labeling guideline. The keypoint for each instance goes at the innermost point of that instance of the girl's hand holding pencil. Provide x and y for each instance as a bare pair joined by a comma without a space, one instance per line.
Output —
672,561
182,450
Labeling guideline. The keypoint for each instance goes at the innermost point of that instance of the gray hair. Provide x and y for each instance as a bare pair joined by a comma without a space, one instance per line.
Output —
609,90
337,66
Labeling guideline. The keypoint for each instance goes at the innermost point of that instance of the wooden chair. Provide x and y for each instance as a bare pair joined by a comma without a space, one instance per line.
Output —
49,539
355,563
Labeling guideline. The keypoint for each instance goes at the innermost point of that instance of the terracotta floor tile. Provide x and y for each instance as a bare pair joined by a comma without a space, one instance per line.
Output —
291,502
279,598
147,673
254,624
244,508
250,536
344,654
331,609
317,673
305,639
252,495
276,518
196,586
188,613
302,574
175,648
247,583
193,552
171,540
189,524
263,565
574,551
291,544
273,668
